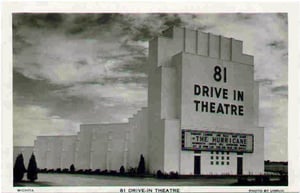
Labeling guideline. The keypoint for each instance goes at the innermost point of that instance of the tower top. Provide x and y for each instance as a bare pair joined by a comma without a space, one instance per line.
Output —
175,40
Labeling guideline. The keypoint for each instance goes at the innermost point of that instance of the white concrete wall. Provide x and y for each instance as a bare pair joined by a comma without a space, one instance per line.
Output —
117,147
172,145
186,162
131,145
26,151
54,152
239,77
162,92
171,97
169,93
68,151
97,146
218,168
138,135
102,146
53,159
83,147
99,149
40,151
155,124
143,137
156,145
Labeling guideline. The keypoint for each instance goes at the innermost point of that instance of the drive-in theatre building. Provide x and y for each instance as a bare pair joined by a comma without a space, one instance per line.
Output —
202,114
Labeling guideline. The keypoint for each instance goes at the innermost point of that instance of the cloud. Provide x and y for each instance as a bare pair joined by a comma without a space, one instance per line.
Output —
30,121
62,60
130,93
273,117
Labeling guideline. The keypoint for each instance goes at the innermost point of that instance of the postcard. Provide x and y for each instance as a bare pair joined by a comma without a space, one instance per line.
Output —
153,96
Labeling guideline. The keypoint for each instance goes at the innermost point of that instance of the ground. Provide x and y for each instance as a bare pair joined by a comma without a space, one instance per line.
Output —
100,180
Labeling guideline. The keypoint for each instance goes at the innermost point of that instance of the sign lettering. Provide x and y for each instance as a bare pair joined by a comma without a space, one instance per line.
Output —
225,108
216,141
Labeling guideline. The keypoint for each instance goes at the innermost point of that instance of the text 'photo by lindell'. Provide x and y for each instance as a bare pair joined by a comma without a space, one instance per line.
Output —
150,99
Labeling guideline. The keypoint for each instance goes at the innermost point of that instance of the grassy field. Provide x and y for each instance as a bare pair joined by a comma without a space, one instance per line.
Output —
277,170
276,167
100,180
104,180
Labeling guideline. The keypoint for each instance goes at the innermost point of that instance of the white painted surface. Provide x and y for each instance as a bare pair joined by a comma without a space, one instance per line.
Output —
175,67
172,145
40,151
68,151
109,144
53,152
138,138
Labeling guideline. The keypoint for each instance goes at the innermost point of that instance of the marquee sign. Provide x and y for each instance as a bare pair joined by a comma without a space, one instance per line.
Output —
216,141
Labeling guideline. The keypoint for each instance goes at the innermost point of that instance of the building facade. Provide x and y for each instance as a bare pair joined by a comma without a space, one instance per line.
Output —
53,152
203,105
202,115
101,146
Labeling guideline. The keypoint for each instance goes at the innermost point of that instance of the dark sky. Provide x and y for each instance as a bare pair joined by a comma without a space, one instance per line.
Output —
91,68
